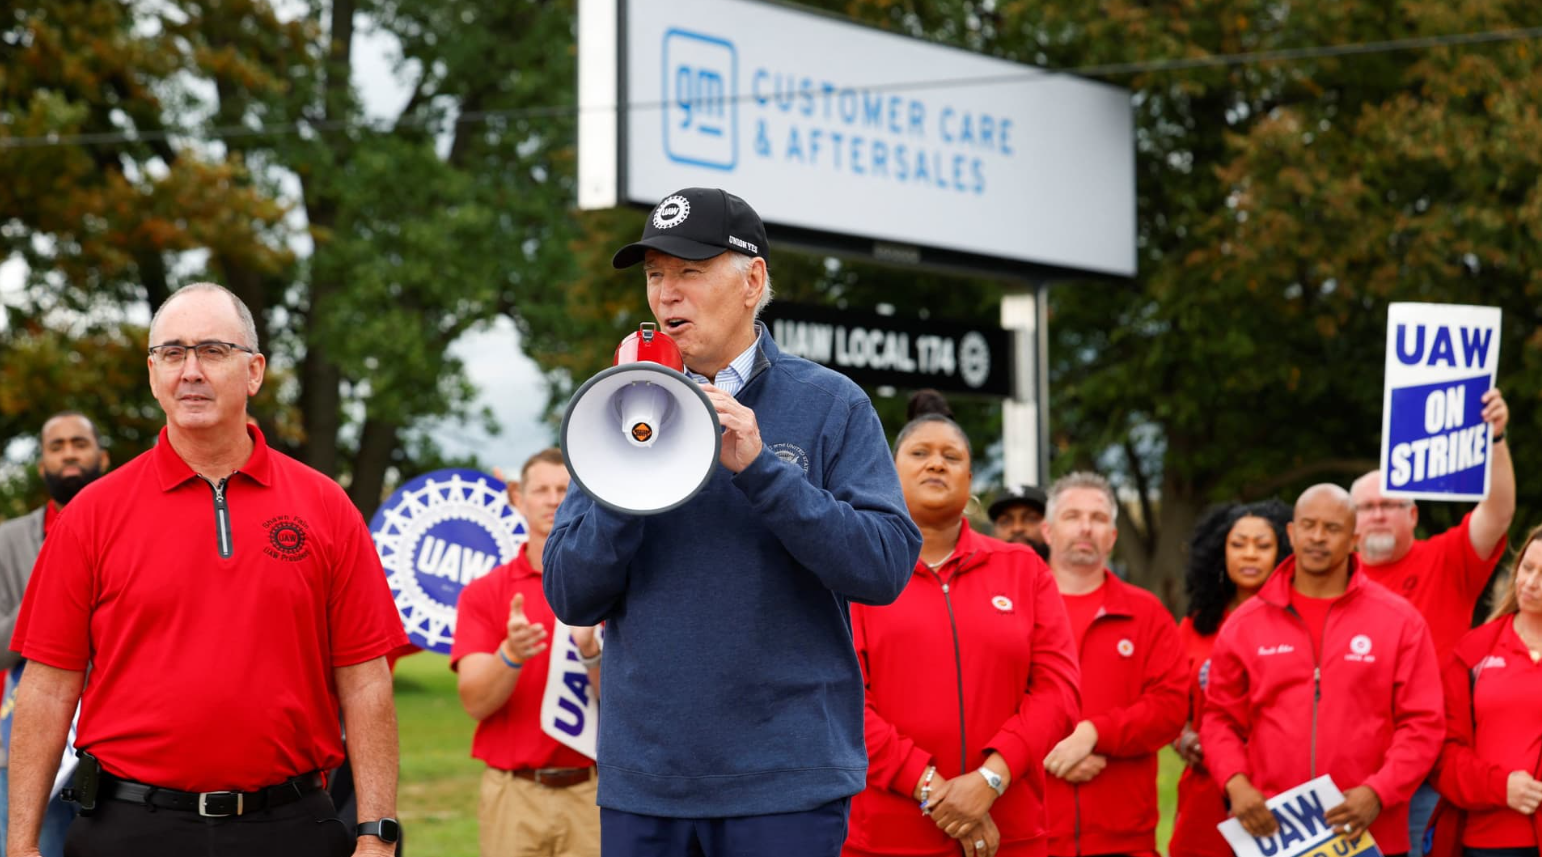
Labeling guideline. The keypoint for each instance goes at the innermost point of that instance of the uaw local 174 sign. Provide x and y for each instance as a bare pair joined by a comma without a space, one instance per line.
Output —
1303,830
436,534
1441,359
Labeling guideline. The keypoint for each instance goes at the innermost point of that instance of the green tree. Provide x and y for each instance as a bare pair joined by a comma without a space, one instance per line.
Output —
403,234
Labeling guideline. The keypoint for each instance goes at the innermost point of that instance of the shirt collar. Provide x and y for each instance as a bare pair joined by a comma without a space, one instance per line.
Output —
732,377
50,514
173,471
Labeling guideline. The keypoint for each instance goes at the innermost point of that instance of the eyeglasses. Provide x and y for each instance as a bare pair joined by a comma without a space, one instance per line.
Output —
209,353
1385,506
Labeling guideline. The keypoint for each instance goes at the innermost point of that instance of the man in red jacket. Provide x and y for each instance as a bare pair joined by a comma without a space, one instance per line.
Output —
1328,662
1102,790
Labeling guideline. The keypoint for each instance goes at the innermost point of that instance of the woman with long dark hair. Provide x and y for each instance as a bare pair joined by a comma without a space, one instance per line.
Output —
1234,549
971,677
1491,761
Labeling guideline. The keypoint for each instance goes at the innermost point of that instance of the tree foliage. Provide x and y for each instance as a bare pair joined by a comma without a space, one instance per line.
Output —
1281,205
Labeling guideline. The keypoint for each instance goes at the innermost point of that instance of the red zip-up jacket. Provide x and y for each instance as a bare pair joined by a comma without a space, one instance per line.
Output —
974,657
1367,710
1134,690
1485,742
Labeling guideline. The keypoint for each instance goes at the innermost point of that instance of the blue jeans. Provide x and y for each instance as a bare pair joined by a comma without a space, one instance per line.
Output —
819,832
1420,807
56,821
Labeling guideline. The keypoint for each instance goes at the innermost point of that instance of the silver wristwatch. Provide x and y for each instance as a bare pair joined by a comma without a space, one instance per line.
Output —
992,779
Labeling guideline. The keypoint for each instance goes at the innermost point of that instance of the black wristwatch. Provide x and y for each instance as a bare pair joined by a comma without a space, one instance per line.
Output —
388,829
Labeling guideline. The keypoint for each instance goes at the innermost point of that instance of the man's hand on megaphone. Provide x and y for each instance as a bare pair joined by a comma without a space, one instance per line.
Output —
525,640
741,434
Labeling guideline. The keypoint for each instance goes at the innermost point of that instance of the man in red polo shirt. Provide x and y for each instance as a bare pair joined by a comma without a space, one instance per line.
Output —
538,796
1102,795
1445,575
228,603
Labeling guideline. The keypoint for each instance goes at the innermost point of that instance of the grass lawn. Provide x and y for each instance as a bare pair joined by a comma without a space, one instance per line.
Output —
438,797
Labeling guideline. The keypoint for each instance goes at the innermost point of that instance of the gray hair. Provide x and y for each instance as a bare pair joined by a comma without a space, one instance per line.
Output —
248,324
1081,479
742,264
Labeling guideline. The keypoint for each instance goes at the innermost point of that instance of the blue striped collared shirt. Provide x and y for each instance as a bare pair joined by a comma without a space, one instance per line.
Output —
730,379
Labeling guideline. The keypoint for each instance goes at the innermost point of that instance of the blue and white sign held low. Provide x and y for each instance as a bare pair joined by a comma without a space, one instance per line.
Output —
1441,359
436,534
1303,828
570,709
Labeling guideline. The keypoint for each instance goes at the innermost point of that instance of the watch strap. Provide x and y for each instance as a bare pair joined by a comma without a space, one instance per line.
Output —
386,829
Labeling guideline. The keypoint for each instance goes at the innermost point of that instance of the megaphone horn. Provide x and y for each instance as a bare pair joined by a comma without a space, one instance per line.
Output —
641,437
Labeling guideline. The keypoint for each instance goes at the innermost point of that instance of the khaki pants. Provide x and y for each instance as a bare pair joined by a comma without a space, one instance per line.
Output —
518,818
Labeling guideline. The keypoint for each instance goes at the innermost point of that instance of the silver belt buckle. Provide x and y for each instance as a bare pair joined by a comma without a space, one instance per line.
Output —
203,804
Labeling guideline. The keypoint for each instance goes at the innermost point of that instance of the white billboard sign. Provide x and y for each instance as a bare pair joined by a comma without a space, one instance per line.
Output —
826,125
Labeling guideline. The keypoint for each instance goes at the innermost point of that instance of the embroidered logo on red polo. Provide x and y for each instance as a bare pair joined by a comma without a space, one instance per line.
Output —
1125,648
1360,650
1002,603
288,538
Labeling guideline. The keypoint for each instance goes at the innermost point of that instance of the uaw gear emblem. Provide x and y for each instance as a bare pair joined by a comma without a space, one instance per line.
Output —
436,534
671,212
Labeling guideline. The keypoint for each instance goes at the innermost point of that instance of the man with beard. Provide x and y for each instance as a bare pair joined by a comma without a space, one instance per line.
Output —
1017,516
72,458
1443,576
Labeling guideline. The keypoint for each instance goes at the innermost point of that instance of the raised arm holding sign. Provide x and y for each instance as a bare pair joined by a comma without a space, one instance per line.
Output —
1444,437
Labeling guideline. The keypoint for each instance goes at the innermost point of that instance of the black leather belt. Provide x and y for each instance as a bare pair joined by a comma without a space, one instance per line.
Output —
212,804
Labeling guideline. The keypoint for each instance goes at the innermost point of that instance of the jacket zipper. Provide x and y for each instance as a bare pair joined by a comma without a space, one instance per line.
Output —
222,518
1076,830
958,666
1316,676
1076,788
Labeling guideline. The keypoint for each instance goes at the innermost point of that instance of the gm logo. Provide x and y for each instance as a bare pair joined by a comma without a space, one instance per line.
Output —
701,75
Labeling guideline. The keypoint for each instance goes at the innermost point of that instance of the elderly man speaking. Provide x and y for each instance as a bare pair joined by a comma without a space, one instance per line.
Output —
733,697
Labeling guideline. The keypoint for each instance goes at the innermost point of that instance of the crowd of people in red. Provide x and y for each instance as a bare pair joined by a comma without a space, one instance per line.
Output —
1016,706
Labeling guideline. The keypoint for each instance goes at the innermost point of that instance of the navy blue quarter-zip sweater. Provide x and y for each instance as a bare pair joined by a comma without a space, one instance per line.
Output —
730,685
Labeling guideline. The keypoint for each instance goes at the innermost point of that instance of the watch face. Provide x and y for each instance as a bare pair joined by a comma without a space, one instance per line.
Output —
390,830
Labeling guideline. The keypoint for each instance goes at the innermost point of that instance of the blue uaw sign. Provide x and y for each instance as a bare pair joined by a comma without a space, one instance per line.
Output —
436,534
1302,827
1441,359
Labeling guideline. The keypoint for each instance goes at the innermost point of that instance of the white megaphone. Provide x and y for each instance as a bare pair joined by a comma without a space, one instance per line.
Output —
641,437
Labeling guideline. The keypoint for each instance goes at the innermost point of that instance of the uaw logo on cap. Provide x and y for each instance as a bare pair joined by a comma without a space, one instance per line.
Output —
671,212
436,534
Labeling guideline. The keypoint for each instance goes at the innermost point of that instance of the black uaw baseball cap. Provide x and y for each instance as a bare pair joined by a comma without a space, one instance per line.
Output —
698,223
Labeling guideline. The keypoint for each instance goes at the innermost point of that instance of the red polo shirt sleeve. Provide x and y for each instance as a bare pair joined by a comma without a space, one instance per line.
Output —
361,614
1224,728
894,762
1049,708
1418,718
54,625
481,622
1159,714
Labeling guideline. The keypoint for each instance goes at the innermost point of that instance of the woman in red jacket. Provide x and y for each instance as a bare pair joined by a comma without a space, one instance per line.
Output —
971,678
1233,550
1492,756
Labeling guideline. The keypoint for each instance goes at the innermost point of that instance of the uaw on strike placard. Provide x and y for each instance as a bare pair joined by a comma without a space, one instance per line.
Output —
1441,359
1303,829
